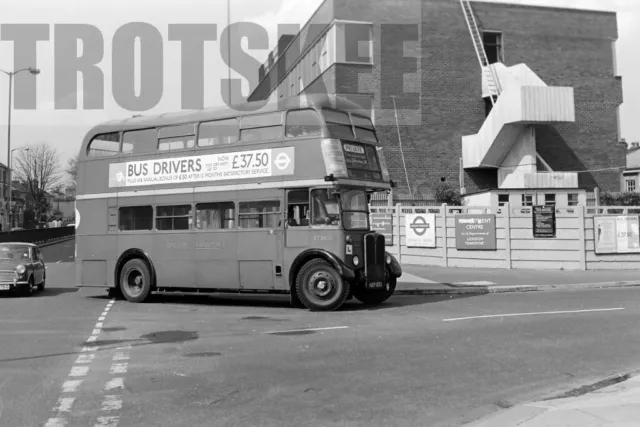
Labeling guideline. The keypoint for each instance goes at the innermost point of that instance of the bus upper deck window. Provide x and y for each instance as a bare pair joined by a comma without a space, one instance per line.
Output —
303,123
104,145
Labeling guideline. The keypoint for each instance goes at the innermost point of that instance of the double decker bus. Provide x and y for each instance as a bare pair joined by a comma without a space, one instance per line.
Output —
236,200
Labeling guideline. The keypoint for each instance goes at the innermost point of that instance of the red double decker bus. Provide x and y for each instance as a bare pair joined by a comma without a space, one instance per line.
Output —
236,200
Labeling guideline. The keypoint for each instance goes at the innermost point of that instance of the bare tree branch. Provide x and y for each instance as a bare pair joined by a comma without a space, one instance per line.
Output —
39,169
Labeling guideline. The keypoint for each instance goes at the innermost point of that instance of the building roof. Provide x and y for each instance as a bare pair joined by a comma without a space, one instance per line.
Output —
533,6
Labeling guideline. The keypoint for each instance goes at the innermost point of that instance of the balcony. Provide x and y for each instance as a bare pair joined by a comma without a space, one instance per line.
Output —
524,100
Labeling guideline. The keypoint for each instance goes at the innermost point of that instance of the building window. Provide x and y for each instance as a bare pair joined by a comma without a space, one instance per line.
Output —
572,199
549,199
631,185
492,42
135,218
173,217
527,200
259,214
503,199
358,42
215,216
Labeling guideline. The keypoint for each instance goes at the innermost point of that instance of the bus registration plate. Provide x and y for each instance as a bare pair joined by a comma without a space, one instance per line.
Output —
375,285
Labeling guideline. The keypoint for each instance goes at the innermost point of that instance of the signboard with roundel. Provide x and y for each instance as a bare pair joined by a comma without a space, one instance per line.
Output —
420,230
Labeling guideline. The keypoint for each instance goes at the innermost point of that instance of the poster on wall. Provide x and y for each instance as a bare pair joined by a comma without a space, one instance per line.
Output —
616,234
420,230
476,232
383,223
544,221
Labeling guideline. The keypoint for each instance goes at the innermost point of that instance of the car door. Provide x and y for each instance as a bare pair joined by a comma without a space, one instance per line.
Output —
38,266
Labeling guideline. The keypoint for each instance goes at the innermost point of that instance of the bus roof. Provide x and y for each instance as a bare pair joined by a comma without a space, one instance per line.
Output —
222,112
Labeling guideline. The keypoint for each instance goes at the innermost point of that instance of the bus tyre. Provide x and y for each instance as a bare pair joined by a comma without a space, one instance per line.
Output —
320,287
373,298
135,280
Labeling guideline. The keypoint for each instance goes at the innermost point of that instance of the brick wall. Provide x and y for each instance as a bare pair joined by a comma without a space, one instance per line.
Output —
569,48
564,47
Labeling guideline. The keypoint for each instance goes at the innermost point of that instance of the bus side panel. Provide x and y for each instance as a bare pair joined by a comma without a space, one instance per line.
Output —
169,252
95,248
332,240
216,263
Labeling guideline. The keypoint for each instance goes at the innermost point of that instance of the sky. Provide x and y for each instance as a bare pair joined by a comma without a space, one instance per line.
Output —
64,129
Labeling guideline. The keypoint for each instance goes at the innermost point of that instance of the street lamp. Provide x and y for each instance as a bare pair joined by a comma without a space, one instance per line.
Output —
10,183
33,71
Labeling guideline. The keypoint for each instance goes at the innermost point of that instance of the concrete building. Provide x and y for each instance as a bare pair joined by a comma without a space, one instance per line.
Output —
505,102
631,176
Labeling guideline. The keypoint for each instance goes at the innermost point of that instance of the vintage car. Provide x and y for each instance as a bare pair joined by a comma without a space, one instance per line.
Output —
21,268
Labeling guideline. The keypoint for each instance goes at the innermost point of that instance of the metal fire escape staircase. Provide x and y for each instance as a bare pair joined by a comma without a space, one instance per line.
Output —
519,99
478,45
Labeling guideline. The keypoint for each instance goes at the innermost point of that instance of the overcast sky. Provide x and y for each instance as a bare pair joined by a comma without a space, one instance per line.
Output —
65,129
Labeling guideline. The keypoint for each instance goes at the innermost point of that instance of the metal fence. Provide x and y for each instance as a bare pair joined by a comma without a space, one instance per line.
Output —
38,236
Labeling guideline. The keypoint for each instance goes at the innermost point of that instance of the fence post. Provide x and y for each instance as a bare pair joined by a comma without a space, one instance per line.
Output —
445,250
399,233
582,237
506,212
596,194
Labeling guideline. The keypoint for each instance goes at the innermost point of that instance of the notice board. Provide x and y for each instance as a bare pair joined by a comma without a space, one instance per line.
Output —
544,221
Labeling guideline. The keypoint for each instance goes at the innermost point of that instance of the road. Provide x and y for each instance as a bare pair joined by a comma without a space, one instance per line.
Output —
244,361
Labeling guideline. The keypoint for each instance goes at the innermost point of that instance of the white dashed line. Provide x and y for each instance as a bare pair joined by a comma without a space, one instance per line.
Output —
107,422
73,383
595,310
118,368
111,403
305,330
114,384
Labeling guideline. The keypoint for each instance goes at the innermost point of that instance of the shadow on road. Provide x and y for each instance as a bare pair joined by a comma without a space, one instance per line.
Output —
282,301
52,292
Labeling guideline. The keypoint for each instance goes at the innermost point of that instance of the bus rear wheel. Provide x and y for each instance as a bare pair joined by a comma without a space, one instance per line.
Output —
319,286
135,280
373,298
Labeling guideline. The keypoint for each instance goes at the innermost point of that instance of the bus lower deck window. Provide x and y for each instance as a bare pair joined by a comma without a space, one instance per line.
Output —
173,217
215,216
135,218
264,214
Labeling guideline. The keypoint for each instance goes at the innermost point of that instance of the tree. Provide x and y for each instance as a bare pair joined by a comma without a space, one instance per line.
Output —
72,168
39,169
448,195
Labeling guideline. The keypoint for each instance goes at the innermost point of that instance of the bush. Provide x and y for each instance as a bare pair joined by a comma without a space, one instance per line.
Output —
620,199
446,194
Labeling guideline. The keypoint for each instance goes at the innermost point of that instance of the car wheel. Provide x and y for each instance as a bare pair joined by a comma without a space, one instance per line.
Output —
135,280
27,289
319,286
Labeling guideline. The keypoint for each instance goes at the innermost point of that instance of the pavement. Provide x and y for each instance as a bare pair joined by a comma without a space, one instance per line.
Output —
73,357
425,280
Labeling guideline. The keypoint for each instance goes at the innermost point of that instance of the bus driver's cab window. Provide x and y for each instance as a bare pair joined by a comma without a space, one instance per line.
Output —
325,207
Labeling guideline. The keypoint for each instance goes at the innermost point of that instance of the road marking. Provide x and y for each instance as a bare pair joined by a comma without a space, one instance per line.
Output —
65,404
71,386
305,330
79,371
532,314
118,368
114,383
56,422
111,403
107,422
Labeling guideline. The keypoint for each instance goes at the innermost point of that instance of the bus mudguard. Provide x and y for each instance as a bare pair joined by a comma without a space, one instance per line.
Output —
394,266
309,254
135,253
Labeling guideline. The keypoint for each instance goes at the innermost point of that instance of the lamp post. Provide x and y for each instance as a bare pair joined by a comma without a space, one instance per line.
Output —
33,71
10,186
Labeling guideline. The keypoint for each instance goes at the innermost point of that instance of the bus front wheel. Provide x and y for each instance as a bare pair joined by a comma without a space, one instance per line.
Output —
135,280
373,298
320,287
